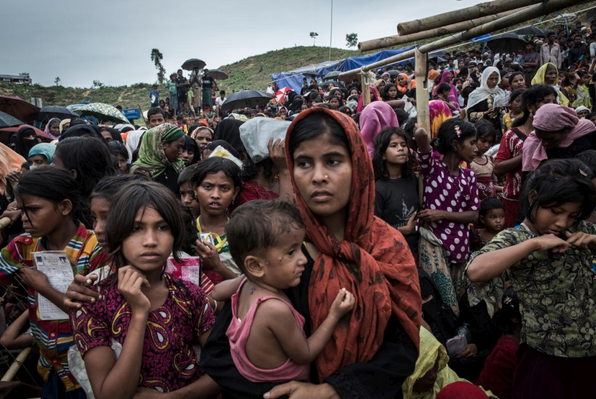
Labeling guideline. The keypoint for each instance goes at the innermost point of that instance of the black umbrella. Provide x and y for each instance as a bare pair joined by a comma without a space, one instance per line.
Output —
193,63
55,111
506,43
246,99
335,83
393,73
332,75
218,74
530,31
7,120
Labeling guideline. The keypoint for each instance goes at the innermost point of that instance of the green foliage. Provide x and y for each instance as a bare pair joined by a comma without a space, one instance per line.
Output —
156,57
351,39
313,36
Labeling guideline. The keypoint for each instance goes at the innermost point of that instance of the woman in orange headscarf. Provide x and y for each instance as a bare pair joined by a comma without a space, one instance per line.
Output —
406,86
346,247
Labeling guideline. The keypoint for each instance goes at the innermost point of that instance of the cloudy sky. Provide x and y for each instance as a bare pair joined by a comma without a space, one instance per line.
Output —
107,40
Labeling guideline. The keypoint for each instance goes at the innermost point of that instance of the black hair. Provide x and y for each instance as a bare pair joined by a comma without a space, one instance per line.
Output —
485,128
191,145
566,81
315,125
250,169
515,94
443,87
382,142
588,157
186,174
108,186
116,148
591,115
56,185
259,225
488,204
213,165
557,182
448,134
463,71
89,158
509,310
385,91
123,213
345,110
179,117
533,96
331,97
154,111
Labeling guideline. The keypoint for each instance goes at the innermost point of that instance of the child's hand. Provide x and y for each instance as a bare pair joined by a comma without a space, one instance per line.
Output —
78,291
130,283
581,240
343,303
551,242
409,228
208,254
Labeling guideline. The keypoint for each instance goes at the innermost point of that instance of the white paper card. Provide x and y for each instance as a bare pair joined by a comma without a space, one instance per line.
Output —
56,266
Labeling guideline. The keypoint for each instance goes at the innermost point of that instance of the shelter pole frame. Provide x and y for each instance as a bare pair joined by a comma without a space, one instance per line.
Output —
421,60
518,17
365,89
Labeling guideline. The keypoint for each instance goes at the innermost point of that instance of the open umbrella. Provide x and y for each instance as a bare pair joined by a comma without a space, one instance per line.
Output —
393,73
218,74
332,75
335,83
18,108
6,132
103,112
246,98
506,43
530,31
8,120
54,111
279,95
193,63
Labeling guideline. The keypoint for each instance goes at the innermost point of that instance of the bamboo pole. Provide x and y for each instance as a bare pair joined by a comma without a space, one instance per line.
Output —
442,31
422,90
464,14
365,89
502,23
16,365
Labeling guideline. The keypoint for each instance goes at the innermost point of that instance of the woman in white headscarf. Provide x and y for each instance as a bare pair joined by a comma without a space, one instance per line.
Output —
487,101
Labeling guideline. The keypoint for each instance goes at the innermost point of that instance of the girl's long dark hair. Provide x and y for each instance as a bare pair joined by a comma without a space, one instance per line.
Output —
123,212
533,96
54,185
382,142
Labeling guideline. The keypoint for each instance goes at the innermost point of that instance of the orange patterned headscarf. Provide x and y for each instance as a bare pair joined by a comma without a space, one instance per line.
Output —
373,262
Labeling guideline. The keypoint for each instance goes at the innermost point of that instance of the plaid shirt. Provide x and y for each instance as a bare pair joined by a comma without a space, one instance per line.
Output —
52,337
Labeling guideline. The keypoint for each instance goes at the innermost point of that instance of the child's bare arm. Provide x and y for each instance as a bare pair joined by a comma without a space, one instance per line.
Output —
12,338
491,264
224,290
203,388
283,324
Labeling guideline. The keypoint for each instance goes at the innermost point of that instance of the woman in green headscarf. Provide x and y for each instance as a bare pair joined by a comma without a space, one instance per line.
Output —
41,155
159,155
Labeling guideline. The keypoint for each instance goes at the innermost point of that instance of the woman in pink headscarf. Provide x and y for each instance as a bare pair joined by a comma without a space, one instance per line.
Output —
446,77
374,96
558,133
374,118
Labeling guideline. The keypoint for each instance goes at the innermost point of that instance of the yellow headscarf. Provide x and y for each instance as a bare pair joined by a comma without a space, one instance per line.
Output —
539,80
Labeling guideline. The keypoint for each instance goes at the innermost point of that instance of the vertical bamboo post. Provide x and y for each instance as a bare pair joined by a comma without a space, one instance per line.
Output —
365,88
420,60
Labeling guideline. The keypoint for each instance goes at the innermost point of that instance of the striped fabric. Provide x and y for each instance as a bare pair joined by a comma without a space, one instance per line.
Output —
52,337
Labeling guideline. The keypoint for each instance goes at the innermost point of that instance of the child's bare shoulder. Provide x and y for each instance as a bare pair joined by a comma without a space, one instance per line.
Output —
275,308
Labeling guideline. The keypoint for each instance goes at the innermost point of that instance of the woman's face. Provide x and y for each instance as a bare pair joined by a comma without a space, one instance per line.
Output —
550,99
401,81
551,139
106,135
448,77
323,175
55,129
550,77
492,80
173,149
467,150
38,160
561,79
203,137
354,92
187,156
382,84
516,104
334,103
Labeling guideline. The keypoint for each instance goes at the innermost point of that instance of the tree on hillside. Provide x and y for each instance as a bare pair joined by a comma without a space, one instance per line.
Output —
313,36
156,57
351,39
57,81
97,84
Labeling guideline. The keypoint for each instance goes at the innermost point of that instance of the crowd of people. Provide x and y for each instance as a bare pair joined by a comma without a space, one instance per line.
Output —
344,251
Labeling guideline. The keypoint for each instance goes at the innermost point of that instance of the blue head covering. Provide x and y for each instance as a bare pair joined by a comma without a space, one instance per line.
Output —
45,149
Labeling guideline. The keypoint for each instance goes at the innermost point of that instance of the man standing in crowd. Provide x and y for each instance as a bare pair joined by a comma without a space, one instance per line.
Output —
182,87
551,52
195,84
576,51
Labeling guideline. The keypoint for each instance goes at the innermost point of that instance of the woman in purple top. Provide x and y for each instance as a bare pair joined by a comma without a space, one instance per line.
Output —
450,205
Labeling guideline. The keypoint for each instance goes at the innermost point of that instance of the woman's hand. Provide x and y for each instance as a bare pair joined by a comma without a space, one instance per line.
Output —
470,351
130,284
550,242
78,291
430,215
581,240
33,278
303,390
277,153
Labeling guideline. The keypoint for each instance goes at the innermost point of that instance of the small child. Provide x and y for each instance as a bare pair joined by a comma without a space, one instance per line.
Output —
492,217
483,165
187,194
266,334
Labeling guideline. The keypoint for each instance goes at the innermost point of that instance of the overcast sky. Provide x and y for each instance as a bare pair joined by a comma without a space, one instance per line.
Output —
107,40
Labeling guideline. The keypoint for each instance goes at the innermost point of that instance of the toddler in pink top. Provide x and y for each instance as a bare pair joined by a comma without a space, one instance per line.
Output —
267,340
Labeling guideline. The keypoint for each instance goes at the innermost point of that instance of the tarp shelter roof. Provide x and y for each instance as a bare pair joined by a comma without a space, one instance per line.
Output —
293,79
